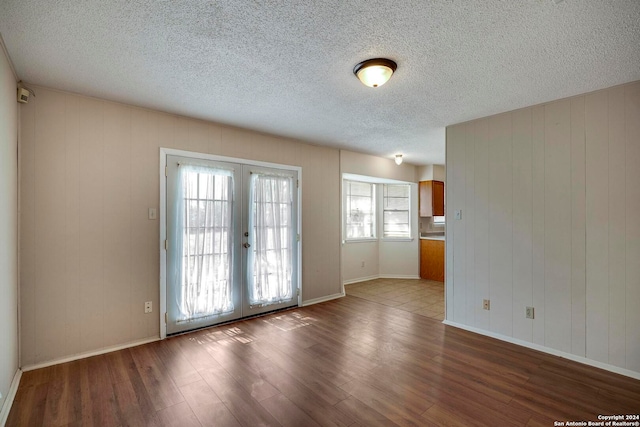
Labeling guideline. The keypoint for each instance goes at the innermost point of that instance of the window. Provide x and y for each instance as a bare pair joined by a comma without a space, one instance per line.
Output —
396,211
360,208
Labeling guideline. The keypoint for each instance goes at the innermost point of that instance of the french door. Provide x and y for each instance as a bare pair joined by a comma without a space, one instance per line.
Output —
231,241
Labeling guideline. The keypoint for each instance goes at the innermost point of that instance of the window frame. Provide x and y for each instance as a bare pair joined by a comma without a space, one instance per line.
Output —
439,222
378,182
345,214
409,237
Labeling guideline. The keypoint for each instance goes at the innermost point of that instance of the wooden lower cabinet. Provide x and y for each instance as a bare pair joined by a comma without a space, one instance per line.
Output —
432,259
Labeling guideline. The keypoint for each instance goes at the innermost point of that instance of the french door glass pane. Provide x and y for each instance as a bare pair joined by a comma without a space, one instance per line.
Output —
206,220
270,256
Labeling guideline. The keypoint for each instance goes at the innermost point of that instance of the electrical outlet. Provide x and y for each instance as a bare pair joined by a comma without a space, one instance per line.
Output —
486,304
530,313
148,308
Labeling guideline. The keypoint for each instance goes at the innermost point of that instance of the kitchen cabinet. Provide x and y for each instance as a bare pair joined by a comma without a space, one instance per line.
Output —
432,259
431,198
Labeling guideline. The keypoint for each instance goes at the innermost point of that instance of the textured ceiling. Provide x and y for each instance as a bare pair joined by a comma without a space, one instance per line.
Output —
285,67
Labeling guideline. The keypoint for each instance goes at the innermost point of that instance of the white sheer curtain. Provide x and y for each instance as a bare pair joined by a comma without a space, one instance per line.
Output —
203,240
271,234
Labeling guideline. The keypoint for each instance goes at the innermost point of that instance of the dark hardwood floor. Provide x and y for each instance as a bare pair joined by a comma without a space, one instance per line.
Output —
347,362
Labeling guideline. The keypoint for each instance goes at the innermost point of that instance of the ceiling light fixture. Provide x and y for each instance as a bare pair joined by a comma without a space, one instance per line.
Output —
375,72
398,159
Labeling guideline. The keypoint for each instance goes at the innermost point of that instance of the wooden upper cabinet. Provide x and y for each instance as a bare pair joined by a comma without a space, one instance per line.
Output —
431,198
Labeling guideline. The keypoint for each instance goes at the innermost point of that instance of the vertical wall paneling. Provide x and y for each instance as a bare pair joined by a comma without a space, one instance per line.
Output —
538,223
143,245
27,235
481,220
597,219
578,229
197,136
458,152
50,225
91,225
501,223
72,220
617,224
551,195
117,223
557,212
522,224
632,208
449,265
469,218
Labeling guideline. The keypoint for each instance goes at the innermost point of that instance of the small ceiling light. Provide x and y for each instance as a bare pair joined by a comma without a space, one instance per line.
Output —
398,159
375,72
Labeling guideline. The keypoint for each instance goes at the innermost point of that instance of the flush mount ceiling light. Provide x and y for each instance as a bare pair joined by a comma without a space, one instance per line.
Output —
398,159
375,72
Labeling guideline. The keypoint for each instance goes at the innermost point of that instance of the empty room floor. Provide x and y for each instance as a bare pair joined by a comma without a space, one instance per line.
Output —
346,362
423,297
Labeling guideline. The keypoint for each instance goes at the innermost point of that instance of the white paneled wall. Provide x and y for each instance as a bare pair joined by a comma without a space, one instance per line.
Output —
550,198
90,255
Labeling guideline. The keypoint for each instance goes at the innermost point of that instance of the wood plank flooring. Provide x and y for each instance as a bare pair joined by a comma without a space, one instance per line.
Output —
347,362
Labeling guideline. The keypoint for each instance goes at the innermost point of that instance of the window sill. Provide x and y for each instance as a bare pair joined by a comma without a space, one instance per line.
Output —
382,239
363,240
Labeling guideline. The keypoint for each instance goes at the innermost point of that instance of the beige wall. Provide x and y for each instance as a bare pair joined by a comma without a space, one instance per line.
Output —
8,226
431,172
550,198
90,258
368,165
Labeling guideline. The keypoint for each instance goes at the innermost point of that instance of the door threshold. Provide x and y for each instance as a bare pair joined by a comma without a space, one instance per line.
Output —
229,322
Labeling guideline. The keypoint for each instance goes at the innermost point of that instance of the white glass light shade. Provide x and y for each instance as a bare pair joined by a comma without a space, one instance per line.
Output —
398,159
375,72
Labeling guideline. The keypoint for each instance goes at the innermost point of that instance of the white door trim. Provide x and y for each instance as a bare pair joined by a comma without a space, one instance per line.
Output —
164,152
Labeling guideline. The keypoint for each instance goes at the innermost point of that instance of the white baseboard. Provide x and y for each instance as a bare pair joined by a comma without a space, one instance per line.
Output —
88,354
397,276
8,402
548,350
360,279
379,276
322,299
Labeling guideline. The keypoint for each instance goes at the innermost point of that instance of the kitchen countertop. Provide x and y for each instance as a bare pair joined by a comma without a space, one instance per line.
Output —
441,238
432,236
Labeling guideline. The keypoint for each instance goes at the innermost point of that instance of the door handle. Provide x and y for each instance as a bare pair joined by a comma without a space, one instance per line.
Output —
246,245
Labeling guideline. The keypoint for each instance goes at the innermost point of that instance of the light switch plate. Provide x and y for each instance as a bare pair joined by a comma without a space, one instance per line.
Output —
153,213
458,213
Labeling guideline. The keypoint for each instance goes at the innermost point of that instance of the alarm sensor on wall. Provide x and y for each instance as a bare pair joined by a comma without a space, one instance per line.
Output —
23,95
